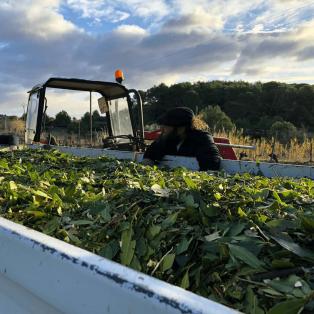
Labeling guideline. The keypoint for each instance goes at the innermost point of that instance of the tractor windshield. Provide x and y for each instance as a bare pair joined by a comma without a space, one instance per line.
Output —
120,118
31,121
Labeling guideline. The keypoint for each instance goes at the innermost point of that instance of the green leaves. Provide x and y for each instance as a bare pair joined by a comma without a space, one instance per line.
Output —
245,256
167,262
159,191
127,247
12,186
41,193
183,246
51,226
105,214
36,213
110,250
212,237
293,247
169,221
185,283
81,222
241,240
293,306
4,164
252,303
308,223
190,183
153,231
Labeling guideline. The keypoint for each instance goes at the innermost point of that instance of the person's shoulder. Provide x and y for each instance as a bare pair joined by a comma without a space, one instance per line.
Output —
199,132
200,135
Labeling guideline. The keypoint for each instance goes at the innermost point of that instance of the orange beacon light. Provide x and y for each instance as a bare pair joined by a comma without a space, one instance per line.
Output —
119,76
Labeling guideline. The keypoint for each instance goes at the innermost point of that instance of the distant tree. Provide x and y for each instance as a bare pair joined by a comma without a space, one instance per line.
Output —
95,114
62,119
192,100
156,102
99,122
49,122
73,126
283,131
216,119
266,122
243,123
85,123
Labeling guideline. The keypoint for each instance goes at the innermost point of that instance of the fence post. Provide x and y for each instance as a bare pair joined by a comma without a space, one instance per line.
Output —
272,151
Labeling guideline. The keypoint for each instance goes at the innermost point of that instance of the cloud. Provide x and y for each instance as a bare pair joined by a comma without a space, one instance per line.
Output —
307,53
131,30
260,49
283,15
97,10
258,28
181,40
217,50
33,18
197,21
147,9
305,31
257,49
13,98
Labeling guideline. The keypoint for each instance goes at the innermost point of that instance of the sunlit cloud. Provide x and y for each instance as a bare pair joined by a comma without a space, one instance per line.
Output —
153,42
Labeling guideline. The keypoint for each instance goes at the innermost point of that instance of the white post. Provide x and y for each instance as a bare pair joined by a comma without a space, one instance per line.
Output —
79,133
91,119
5,122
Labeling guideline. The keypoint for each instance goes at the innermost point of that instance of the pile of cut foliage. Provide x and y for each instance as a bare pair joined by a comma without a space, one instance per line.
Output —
244,241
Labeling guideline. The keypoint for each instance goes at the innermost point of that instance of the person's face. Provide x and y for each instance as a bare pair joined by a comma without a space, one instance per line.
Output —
172,132
166,130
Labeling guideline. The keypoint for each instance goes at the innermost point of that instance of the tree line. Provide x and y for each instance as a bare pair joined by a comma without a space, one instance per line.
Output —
250,106
73,125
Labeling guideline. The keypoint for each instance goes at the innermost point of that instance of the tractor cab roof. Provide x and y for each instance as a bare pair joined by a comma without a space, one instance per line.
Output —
109,90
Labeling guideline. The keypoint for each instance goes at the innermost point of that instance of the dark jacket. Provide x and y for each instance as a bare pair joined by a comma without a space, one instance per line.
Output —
197,144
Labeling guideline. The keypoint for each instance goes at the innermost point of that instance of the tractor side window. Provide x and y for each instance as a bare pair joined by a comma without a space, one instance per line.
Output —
120,118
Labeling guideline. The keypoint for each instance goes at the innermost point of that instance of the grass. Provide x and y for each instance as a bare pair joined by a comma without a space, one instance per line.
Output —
293,152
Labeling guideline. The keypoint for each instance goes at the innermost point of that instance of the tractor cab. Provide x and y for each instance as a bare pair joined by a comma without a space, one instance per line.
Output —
121,107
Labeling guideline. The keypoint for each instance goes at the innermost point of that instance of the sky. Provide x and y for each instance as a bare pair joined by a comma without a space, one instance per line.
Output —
153,42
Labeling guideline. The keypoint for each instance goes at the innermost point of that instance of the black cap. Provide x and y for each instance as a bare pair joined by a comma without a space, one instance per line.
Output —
179,116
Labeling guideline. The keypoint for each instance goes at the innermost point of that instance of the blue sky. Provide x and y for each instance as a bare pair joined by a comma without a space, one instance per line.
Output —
122,13
153,41
103,24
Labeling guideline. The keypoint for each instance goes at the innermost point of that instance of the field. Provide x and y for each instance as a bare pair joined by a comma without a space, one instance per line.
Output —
243,241
293,152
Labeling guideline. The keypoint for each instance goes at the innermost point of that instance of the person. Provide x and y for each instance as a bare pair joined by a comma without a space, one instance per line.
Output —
182,136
